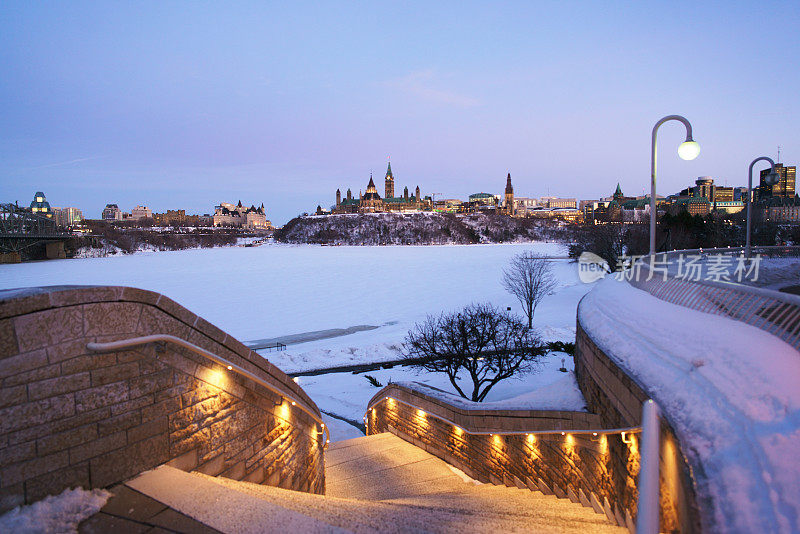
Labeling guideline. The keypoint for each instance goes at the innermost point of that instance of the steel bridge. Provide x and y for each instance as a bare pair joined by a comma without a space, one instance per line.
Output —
21,229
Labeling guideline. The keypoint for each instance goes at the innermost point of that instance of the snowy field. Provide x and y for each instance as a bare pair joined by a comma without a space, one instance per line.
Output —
274,290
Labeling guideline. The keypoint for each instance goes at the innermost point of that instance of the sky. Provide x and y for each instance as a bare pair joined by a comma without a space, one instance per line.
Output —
183,105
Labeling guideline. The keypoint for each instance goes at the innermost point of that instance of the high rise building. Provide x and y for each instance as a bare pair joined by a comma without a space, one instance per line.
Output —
785,188
67,216
704,187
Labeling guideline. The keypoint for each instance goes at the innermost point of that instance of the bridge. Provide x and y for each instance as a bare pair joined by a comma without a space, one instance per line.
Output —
20,230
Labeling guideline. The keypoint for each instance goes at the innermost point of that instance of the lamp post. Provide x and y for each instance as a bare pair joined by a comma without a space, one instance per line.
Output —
771,179
688,150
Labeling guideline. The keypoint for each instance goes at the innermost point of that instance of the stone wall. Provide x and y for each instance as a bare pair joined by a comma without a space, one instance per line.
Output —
617,400
70,417
596,470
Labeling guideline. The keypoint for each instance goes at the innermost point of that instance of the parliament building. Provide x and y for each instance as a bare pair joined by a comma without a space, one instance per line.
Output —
371,201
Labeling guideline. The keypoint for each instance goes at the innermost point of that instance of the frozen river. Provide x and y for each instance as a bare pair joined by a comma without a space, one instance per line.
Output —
274,291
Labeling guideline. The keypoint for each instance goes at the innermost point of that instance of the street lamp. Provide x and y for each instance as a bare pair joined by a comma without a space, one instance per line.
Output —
688,150
771,179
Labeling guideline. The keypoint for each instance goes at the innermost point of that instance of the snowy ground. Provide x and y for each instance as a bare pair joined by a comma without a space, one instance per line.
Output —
56,514
730,391
278,290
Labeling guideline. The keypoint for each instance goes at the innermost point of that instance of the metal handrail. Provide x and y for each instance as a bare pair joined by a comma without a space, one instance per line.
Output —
772,311
628,430
165,338
768,250
647,504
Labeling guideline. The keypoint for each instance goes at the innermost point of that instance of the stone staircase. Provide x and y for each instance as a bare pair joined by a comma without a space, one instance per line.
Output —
377,483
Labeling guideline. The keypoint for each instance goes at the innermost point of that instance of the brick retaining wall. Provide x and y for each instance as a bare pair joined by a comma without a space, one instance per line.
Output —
70,417
586,468
617,399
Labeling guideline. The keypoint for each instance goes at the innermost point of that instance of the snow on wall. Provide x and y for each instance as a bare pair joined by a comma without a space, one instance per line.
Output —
729,390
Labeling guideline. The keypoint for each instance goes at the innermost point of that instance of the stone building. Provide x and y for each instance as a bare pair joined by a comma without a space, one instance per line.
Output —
389,182
241,217
141,212
509,198
171,217
371,201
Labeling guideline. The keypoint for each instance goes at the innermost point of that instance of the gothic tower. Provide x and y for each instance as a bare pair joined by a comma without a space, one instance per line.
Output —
418,195
618,196
509,196
338,198
389,182
371,201
405,193
349,194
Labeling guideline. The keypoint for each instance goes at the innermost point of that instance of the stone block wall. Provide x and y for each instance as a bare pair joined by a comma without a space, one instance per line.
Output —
70,417
617,400
598,471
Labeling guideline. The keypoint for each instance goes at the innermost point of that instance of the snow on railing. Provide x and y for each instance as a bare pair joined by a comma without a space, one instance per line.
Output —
230,366
772,311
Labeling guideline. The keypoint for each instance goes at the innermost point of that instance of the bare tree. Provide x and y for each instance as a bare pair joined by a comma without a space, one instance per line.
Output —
530,279
486,344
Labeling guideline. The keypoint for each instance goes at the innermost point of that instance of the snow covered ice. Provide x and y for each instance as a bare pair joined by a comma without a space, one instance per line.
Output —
277,290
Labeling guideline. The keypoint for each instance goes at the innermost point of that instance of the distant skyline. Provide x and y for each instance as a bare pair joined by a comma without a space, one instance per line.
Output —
185,105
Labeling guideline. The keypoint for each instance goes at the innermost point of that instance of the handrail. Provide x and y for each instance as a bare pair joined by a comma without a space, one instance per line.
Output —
628,430
647,505
774,312
161,338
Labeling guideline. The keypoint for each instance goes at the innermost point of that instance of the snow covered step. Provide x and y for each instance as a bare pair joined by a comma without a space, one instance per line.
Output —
384,466
224,509
462,513
388,469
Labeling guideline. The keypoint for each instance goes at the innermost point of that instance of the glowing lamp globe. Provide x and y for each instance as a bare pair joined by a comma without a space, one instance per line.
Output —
772,178
689,150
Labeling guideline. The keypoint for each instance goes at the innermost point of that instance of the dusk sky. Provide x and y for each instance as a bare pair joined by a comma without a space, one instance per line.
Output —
185,105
